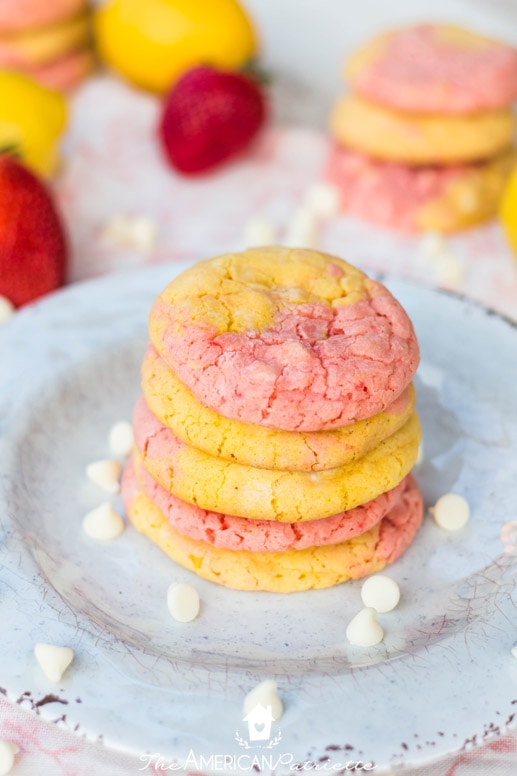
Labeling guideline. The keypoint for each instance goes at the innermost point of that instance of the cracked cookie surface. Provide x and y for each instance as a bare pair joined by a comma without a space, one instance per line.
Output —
267,448
285,338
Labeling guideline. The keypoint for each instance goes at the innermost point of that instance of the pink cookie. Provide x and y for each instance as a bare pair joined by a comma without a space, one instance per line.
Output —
290,339
289,571
435,69
20,15
239,533
398,528
436,199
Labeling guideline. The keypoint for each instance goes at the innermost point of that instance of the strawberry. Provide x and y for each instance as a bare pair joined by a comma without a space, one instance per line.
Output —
210,116
33,251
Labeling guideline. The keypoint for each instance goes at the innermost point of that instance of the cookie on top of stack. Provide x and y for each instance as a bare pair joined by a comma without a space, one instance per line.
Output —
425,141
48,41
277,430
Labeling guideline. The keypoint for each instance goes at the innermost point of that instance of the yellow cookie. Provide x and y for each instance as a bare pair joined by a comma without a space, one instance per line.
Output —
267,494
419,139
280,572
267,448
39,46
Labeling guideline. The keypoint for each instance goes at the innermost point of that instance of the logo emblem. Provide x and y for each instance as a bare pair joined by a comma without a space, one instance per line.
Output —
259,721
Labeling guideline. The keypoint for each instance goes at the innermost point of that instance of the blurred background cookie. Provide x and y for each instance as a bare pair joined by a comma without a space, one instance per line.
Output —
426,140
49,42
415,139
19,15
430,199
435,69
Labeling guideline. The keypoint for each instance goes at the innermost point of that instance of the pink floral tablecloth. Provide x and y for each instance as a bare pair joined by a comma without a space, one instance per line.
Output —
124,209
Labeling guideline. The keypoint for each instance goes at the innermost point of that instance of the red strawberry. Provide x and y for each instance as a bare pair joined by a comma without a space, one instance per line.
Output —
209,116
32,244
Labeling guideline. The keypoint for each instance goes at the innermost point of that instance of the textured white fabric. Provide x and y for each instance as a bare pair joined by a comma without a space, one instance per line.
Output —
53,750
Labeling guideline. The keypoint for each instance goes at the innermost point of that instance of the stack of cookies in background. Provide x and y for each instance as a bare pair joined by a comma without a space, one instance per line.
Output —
425,141
48,41
277,431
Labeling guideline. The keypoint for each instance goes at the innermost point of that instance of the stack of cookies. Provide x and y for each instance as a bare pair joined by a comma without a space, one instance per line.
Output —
277,430
48,41
426,139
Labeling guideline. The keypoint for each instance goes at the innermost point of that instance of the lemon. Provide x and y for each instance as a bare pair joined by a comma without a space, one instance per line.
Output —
508,210
152,42
32,119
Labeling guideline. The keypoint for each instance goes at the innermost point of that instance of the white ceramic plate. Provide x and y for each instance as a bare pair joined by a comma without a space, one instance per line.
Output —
444,675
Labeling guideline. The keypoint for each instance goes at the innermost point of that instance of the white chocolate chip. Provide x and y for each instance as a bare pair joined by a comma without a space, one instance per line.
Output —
143,234
323,199
381,593
8,751
420,454
53,660
265,694
302,231
6,309
183,602
468,200
363,630
105,474
451,512
449,270
133,232
258,232
121,438
103,523
431,244
514,651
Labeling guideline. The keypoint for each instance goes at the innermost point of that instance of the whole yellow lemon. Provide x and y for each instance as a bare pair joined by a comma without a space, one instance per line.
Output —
32,119
152,42
508,210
